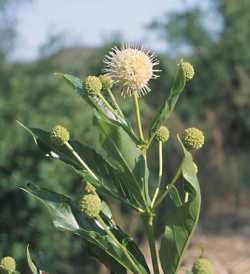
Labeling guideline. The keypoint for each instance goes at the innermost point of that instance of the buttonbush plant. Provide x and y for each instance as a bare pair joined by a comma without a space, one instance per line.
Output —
118,167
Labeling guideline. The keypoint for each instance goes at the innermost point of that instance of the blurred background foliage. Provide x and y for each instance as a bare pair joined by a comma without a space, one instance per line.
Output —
217,101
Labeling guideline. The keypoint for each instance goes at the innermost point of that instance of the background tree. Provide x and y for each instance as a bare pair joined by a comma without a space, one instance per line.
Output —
216,39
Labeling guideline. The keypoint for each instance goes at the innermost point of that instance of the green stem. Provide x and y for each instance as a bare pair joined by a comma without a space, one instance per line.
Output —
128,255
169,186
107,104
115,102
138,115
80,160
152,244
159,176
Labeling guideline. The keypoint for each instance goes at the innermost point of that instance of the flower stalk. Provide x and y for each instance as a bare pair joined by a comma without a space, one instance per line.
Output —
169,187
115,102
111,235
159,175
152,243
68,145
138,115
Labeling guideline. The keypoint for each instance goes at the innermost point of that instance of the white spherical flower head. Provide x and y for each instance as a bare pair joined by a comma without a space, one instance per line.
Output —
131,69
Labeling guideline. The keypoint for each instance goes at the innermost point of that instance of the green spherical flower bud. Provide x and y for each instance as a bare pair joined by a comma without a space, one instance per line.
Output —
202,266
8,264
188,70
193,138
88,188
90,205
59,135
106,81
162,134
93,85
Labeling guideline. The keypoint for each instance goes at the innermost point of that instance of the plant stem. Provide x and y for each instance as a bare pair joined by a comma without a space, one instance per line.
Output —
159,176
169,187
138,115
128,255
152,244
80,160
107,104
115,102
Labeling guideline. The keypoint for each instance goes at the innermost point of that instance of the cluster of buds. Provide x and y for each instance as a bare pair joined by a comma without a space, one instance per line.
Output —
90,205
94,85
188,70
162,134
7,265
59,135
202,266
193,138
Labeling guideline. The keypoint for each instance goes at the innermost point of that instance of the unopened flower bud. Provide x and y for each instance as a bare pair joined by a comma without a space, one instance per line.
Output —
106,81
93,85
59,135
162,134
88,188
202,266
8,264
188,70
193,138
90,205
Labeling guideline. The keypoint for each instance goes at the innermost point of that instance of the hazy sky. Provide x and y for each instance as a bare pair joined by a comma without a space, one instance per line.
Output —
89,22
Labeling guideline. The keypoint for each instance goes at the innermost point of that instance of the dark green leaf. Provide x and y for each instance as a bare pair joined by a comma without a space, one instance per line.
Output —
118,148
110,179
66,216
183,220
170,101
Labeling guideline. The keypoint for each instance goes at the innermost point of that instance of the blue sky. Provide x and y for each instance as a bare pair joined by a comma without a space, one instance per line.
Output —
89,22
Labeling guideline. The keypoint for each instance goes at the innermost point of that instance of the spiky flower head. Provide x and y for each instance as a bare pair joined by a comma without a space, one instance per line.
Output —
162,134
202,266
106,81
59,135
193,138
90,205
8,264
188,70
131,69
93,85
89,188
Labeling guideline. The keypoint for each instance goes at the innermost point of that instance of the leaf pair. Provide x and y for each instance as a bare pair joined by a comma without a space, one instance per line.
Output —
66,216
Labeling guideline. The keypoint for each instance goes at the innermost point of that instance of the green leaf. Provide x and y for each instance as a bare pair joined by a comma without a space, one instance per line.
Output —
175,196
183,221
32,266
98,105
111,179
118,148
169,103
66,216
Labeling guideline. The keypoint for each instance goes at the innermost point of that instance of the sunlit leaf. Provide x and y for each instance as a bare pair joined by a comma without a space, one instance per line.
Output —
183,220
169,103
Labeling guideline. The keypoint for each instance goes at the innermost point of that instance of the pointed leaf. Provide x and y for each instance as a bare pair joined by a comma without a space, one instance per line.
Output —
124,154
170,102
110,179
183,220
66,216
